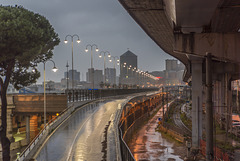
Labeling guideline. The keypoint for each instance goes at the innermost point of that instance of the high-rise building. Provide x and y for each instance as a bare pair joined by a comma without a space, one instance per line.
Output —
174,72
97,77
171,64
128,61
110,75
76,75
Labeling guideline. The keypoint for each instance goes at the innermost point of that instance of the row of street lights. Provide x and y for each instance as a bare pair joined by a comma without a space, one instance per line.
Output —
140,72
91,47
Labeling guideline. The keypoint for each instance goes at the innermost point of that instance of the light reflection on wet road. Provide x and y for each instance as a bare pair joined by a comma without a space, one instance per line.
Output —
150,145
79,138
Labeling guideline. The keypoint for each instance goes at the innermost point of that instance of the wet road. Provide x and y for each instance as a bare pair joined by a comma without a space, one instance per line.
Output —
81,136
150,145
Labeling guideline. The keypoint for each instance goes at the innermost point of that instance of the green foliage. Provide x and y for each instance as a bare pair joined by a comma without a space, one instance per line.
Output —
26,38
187,122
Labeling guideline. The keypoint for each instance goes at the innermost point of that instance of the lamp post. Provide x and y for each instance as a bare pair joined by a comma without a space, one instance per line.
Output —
134,75
124,65
114,66
67,75
104,67
54,69
78,41
92,70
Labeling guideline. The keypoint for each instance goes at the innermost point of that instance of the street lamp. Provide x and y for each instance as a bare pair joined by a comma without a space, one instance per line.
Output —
104,68
92,70
67,75
78,41
114,61
54,69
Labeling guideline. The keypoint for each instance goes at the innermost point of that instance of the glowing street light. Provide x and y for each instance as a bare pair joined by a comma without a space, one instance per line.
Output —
54,69
78,41
104,56
92,69
113,58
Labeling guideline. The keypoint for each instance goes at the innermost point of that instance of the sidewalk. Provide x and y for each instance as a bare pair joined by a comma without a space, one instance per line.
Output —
149,144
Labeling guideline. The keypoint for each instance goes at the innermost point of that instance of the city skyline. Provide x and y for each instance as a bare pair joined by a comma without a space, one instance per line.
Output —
105,23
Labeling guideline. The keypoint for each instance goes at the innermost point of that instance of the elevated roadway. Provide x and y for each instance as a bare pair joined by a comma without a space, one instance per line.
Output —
82,136
189,30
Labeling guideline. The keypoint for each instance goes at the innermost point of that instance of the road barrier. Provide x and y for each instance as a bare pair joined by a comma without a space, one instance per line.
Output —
132,116
82,97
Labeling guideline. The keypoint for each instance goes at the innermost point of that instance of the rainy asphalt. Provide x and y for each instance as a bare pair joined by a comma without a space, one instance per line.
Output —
149,144
83,136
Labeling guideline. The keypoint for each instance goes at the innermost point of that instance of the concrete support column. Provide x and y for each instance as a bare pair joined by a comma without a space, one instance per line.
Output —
223,99
237,100
196,102
209,109
218,97
28,129
228,101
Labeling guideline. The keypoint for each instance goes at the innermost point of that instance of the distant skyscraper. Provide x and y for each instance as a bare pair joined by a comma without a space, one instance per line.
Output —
68,81
76,75
127,76
110,75
171,64
97,76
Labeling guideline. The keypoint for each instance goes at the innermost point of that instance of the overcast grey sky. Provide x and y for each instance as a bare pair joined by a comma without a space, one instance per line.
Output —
102,22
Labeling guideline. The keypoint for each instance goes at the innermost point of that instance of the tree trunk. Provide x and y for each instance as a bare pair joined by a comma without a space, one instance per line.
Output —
3,129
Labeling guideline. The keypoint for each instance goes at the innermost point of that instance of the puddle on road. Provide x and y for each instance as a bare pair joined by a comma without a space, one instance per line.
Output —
150,145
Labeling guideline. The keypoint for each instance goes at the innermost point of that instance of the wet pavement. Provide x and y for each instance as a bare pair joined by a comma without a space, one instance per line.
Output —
151,145
82,136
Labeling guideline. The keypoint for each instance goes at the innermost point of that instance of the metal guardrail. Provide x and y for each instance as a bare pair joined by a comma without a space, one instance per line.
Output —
52,124
125,151
119,139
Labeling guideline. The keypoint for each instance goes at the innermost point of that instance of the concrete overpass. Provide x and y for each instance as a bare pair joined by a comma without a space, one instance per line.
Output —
187,30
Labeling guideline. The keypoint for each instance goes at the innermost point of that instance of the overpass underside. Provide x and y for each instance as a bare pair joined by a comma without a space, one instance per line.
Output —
188,30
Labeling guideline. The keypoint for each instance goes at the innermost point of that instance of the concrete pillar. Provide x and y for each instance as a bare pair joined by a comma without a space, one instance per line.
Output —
229,102
237,100
218,97
196,102
222,102
28,129
209,109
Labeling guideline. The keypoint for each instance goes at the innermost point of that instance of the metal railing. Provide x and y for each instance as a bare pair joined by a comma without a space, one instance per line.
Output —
134,123
74,95
85,96
45,132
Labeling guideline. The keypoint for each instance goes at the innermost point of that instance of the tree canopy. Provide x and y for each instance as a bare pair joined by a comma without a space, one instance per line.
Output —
26,38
